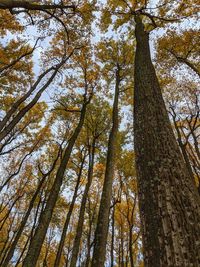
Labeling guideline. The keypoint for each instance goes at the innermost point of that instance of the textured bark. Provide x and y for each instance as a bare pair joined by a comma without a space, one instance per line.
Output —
79,228
45,218
71,207
169,202
104,210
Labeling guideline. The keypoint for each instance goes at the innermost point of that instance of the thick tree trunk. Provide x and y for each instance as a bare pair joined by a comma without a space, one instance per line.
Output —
79,228
104,210
169,202
45,218
71,207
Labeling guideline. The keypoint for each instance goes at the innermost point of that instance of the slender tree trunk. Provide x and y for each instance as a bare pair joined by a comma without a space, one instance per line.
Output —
21,228
71,207
24,220
130,245
119,255
45,217
186,62
17,118
87,262
122,247
183,148
104,210
169,202
112,238
79,228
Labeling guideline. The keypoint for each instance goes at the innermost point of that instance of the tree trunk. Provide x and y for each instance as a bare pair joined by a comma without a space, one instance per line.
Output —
79,228
186,62
112,238
122,246
104,210
22,225
183,147
168,199
71,207
130,245
18,117
87,261
45,218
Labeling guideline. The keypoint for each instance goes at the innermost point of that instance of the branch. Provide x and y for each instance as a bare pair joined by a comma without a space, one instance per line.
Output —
31,5
28,53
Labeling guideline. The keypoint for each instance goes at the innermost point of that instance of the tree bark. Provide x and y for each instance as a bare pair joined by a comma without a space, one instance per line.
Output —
45,218
169,202
104,210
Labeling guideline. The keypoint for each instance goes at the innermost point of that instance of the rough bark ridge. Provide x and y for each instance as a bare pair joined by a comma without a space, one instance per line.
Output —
104,210
169,202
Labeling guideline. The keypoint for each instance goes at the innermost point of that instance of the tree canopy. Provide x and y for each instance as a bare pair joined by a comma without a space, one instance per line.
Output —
99,133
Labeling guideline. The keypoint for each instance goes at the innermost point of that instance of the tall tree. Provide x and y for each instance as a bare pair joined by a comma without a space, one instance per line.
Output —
163,178
117,62
95,126
45,218
169,202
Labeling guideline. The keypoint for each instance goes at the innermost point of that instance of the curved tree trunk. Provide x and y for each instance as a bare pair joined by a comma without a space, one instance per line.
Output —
169,202
104,210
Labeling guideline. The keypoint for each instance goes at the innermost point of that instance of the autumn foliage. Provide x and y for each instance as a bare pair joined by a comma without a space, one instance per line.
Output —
99,133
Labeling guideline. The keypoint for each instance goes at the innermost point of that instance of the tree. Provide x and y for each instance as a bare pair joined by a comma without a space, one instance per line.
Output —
45,218
116,61
95,127
182,48
151,140
163,179
70,192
